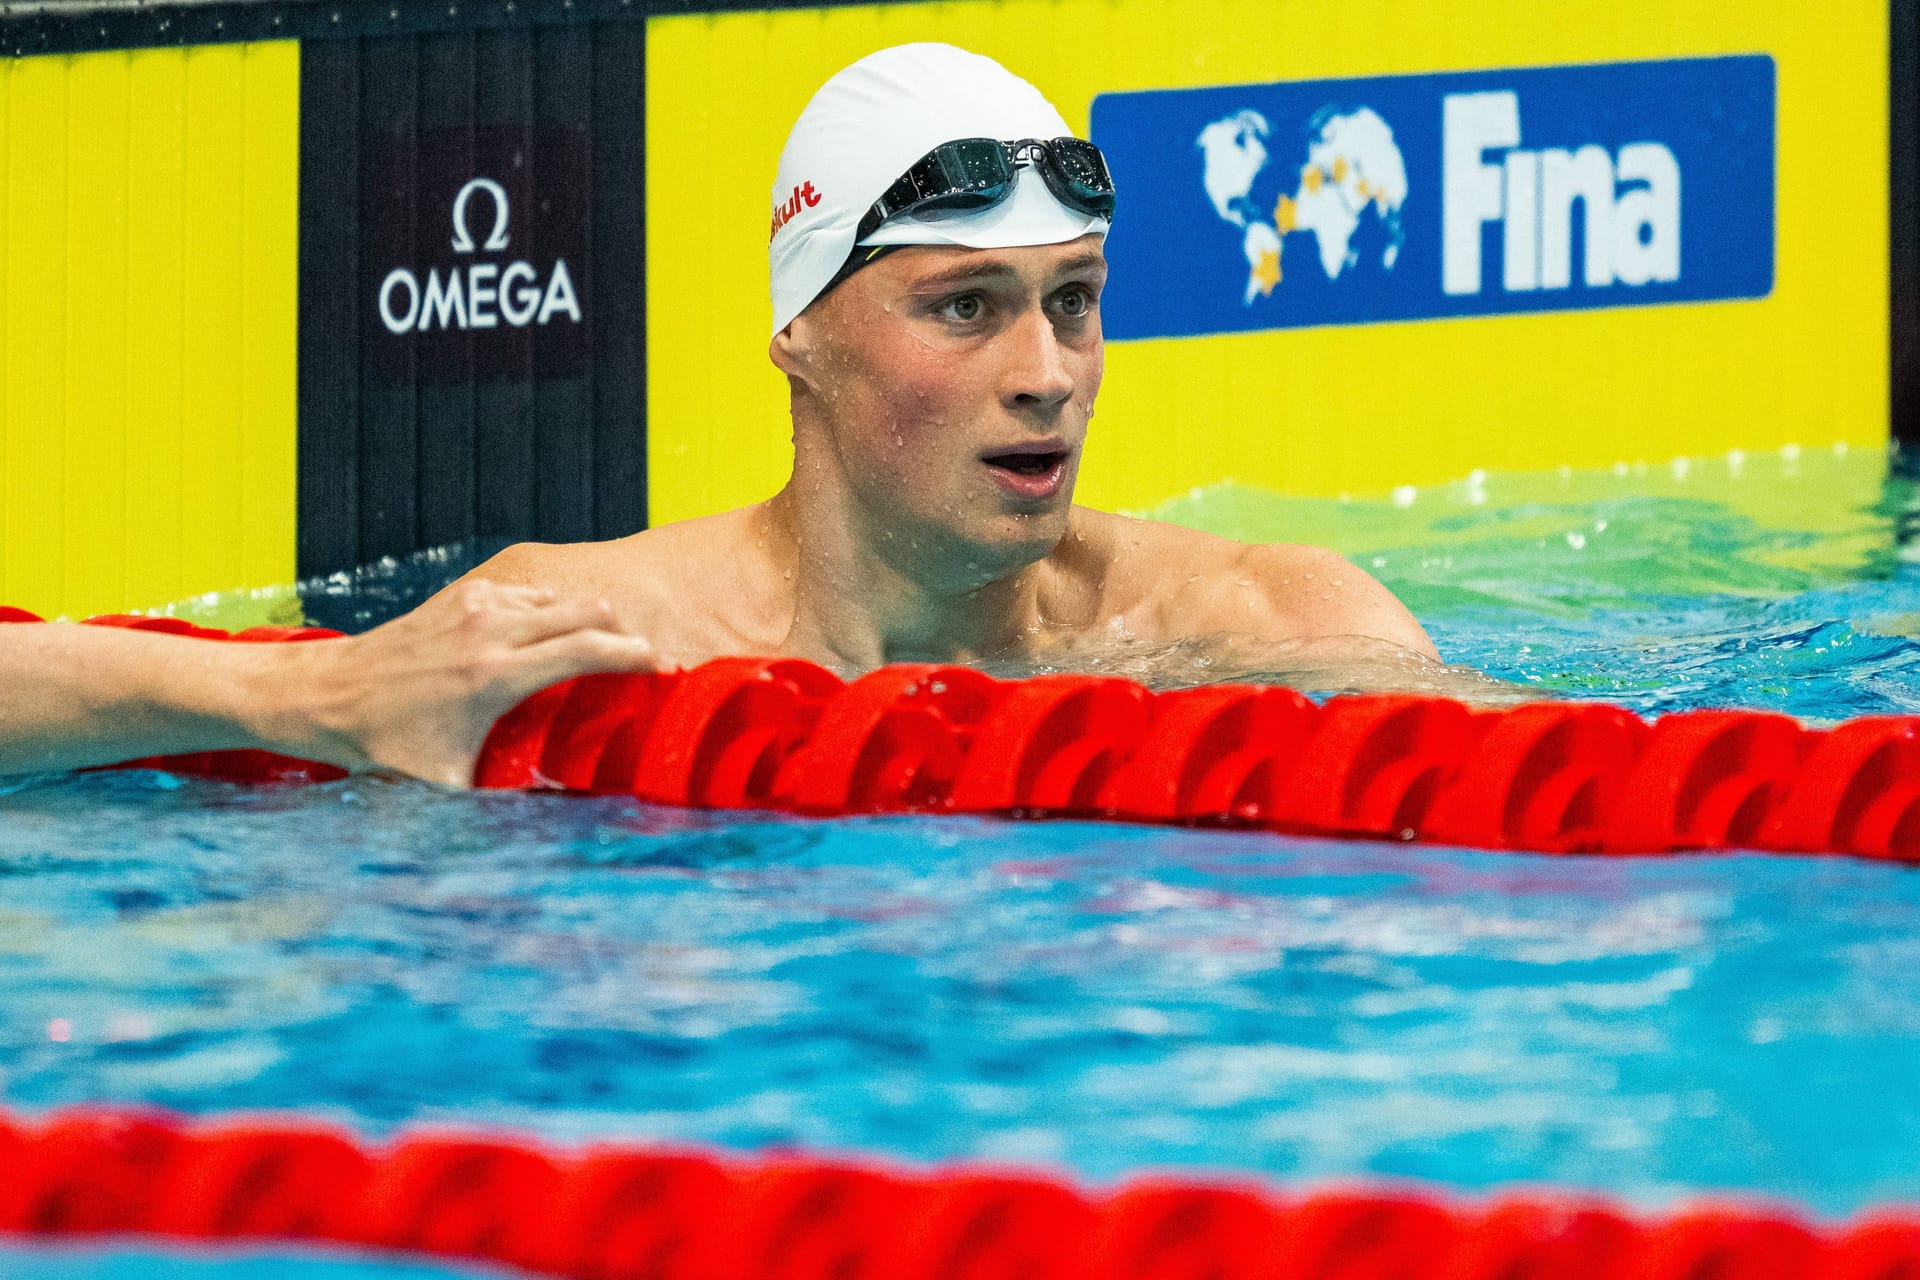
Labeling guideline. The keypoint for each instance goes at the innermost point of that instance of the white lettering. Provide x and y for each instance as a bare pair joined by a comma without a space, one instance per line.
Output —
1521,248
1646,220
560,296
443,303
518,302
1585,175
1630,212
396,277
1472,122
481,295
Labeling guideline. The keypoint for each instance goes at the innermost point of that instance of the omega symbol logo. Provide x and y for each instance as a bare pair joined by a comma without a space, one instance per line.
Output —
479,294
462,238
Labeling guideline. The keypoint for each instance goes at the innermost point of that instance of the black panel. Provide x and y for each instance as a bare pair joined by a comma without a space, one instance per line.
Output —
472,290
563,407
328,399
446,404
1904,227
504,458
619,283
389,446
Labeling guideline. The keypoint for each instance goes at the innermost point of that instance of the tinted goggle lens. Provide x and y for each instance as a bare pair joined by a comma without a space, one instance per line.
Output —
973,173
974,166
1078,174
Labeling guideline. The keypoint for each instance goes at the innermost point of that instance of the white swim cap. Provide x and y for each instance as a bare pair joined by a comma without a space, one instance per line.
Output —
862,131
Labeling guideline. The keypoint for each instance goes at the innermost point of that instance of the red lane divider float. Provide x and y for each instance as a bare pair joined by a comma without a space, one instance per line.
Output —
1562,777
608,1211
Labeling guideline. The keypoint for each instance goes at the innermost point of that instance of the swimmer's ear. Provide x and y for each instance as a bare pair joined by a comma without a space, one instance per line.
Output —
790,351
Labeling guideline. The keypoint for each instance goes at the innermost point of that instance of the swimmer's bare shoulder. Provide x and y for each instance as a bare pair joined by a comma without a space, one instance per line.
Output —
1183,582
696,588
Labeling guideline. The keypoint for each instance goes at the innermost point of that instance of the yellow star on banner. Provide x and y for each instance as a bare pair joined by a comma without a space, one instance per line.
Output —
1283,216
1266,272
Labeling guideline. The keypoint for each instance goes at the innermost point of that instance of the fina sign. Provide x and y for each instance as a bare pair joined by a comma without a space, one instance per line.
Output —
1630,204
476,240
485,294
1421,197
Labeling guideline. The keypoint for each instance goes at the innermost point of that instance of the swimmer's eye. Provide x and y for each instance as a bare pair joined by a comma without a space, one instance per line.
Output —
965,307
1076,301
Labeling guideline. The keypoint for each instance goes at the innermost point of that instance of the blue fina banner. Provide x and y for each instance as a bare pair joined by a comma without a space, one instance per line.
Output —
1324,202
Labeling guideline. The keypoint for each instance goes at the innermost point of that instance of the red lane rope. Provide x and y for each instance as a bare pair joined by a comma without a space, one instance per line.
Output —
607,1211
778,733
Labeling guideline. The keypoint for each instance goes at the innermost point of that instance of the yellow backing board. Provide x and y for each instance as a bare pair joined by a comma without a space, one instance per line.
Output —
1355,409
148,247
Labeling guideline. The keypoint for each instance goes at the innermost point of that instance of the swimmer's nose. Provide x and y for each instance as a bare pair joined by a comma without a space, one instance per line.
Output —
1037,375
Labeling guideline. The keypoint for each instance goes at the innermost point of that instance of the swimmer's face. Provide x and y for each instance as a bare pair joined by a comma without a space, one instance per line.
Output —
956,385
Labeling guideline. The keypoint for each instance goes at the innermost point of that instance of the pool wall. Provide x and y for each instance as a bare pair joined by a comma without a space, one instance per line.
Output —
233,349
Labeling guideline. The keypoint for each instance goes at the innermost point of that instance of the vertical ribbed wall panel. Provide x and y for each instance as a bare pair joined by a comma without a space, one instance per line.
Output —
438,433
1903,131
147,244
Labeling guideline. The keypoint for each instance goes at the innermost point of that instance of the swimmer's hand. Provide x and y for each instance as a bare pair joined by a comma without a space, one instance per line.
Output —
419,694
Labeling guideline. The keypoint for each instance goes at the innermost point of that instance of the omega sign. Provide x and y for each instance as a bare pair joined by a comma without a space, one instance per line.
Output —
485,293
474,245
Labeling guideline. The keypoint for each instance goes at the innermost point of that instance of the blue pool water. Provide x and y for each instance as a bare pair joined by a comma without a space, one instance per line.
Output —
1094,999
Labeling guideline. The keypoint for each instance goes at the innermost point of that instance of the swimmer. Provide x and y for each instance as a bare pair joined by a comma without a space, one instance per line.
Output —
937,269
936,274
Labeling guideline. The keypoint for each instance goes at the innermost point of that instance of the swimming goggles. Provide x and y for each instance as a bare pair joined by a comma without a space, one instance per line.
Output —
977,173
971,174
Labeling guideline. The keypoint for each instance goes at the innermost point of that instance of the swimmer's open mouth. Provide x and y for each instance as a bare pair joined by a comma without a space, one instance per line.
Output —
1023,462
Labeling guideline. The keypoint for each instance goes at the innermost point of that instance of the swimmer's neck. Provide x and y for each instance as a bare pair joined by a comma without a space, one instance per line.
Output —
863,597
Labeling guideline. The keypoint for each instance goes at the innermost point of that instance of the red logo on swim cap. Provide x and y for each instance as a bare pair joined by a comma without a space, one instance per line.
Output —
803,197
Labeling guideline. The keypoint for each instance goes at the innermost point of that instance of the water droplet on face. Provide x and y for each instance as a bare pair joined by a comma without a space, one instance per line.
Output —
1338,582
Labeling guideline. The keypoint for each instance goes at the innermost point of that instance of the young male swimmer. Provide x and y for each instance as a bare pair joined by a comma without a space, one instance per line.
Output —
937,270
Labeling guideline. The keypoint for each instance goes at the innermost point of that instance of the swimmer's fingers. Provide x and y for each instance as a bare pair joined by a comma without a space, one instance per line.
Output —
554,618
481,597
588,651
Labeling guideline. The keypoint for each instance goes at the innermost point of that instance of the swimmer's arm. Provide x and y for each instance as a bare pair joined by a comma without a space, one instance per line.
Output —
72,696
417,695
1307,618
1280,592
